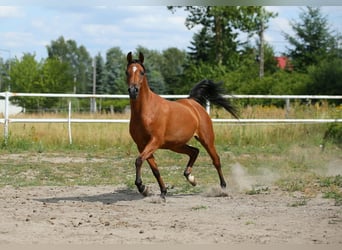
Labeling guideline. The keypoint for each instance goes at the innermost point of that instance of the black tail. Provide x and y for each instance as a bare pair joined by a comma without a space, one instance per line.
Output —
208,90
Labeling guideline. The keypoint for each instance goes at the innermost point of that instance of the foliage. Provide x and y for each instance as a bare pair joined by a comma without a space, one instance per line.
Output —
4,75
115,71
55,76
325,78
313,41
334,134
332,185
109,106
49,76
25,74
281,82
217,42
172,69
195,73
78,59
101,86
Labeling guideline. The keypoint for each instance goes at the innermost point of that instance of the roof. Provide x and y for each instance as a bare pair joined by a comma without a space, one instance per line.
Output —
282,61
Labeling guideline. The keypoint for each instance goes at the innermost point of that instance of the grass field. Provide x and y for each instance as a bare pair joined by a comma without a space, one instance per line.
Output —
294,157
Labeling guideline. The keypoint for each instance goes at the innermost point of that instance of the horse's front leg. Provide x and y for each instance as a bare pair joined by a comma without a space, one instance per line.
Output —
146,154
138,181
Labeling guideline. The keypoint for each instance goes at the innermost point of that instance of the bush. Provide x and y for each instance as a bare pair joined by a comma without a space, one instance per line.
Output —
326,78
334,134
113,105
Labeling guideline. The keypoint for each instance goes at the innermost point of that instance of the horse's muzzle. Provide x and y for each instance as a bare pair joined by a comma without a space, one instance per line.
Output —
133,92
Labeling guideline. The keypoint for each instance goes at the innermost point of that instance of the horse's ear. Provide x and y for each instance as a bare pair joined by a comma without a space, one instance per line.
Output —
141,57
129,57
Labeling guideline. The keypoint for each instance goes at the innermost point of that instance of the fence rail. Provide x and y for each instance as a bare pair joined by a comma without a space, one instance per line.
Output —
7,120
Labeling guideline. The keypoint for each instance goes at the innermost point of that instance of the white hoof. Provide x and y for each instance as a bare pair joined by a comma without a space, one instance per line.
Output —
192,180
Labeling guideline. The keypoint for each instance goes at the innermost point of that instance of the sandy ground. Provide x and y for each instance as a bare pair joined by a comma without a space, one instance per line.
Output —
117,215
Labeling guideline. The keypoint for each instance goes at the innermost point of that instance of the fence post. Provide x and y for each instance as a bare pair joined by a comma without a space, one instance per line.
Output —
6,124
69,123
287,108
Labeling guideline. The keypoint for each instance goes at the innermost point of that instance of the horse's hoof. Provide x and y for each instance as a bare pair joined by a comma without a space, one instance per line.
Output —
192,180
162,197
145,192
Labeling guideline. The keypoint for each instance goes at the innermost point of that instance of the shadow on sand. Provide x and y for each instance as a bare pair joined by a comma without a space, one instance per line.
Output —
106,198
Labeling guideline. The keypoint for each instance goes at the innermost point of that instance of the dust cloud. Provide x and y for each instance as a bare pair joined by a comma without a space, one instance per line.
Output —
244,181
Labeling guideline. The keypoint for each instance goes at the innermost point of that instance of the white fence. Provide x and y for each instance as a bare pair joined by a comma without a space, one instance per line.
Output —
6,120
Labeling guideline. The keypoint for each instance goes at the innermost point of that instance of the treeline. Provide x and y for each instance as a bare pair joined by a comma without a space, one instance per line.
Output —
313,67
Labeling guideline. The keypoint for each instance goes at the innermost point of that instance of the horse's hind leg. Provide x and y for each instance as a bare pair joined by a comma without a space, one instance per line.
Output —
155,171
192,153
210,147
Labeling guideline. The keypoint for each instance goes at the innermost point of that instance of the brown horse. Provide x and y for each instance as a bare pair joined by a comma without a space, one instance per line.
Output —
157,123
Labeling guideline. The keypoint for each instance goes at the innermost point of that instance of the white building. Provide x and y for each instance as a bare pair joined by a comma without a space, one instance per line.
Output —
12,109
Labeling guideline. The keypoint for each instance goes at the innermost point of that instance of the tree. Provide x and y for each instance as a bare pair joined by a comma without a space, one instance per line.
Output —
78,59
172,69
200,51
261,20
101,84
4,76
48,76
25,74
115,71
312,41
220,29
55,77
326,78
269,60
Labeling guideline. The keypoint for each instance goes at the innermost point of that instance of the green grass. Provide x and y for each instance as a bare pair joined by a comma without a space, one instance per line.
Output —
299,202
332,188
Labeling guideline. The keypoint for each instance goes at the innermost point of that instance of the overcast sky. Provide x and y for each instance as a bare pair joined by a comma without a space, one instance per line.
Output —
30,28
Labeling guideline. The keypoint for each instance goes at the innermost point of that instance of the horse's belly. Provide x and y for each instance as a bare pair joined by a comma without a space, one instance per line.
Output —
180,133
182,124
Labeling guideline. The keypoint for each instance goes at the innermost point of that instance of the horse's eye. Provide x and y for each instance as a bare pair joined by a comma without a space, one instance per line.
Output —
142,73
127,73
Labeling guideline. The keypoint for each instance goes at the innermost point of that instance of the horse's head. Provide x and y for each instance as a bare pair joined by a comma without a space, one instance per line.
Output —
135,73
